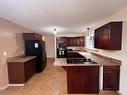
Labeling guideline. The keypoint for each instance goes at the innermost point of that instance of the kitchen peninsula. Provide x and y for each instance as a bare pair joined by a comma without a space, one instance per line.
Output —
86,78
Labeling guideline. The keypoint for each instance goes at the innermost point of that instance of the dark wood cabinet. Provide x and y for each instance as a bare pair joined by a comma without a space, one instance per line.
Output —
111,75
82,41
109,36
64,67
30,69
70,41
61,41
20,72
32,36
83,79
76,41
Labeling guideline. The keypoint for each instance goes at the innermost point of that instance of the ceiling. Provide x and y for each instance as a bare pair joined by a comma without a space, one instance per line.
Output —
43,16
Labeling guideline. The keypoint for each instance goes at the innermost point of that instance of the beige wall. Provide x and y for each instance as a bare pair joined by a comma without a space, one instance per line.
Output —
120,54
50,46
70,34
11,42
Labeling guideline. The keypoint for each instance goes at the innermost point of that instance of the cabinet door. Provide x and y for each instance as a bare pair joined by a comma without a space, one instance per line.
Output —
105,38
29,69
62,42
68,41
82,79
82,41
109,36
74,41
71,41
97,39
111,78
78,41
16,72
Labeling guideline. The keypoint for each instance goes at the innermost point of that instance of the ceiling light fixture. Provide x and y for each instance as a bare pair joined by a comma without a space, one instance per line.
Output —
54,31
88,32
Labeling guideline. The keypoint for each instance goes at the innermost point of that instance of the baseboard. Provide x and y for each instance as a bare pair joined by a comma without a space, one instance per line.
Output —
16,85
119,93
51,58
4,87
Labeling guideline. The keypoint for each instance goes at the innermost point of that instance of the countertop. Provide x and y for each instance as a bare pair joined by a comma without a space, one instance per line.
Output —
20,59
99,61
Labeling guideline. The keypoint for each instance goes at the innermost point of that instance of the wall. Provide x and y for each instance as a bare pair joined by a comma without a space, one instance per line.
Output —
121,54
50,46
11,42
70,34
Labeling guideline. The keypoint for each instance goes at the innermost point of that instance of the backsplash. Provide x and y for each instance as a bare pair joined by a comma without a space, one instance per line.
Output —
76,48
107,58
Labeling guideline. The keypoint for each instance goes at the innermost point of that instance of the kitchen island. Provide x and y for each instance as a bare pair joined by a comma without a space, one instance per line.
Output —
87,78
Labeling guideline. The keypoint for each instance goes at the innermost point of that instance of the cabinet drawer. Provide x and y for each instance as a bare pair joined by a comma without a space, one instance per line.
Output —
111,68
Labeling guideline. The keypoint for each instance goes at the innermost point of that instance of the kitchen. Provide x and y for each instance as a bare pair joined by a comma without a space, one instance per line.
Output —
74,61
104,53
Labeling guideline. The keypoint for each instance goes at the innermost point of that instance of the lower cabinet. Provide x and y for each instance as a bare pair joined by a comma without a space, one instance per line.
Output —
83,79
111,75
20,72
29,69
64,67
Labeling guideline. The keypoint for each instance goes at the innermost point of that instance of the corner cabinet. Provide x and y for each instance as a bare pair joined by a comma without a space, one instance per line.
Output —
109,36
111,75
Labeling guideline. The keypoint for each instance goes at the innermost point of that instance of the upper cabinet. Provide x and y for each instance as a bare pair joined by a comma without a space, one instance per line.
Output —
61,41
71,41
32,36
109,36
76,41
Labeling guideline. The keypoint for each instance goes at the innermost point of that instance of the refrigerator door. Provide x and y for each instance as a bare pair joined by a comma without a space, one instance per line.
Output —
36,48
33,48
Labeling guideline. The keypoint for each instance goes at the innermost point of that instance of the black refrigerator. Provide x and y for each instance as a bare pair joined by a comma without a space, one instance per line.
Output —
36,48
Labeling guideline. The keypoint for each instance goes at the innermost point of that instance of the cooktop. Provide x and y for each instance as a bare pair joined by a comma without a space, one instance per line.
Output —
80,61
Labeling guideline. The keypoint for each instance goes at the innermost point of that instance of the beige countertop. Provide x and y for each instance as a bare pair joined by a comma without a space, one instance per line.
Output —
99,61
20,59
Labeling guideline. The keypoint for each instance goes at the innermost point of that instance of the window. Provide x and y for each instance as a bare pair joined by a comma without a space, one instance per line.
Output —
90,42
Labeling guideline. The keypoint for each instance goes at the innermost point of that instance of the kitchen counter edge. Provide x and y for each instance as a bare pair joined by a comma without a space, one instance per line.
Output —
100,61
20,59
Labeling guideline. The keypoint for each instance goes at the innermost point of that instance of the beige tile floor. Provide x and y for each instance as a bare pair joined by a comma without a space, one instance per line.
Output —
52,81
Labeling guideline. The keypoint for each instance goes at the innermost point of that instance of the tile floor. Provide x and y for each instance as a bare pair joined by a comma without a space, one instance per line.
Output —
52,81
